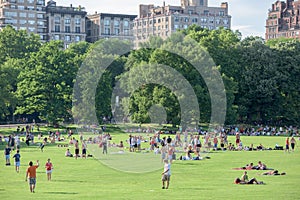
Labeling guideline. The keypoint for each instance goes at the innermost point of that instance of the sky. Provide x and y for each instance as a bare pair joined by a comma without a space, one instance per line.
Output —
248,16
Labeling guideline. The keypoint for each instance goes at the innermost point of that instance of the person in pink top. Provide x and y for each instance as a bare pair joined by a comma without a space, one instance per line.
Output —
49,168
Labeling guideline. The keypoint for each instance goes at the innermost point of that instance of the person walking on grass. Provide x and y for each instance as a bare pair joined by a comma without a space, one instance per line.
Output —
166,175
49,168
76,149
293,143
31,175
287,145
7,151
83,149
17,157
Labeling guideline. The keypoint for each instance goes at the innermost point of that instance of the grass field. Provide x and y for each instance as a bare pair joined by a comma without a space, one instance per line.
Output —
205,179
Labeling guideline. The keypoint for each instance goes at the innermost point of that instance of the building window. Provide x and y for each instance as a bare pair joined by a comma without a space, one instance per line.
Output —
77,38
21,7
117,31
41,2
56,37
126,23
225,21
107,31
40,16
77,21
31,15
57,28
10,14
40,23
20,1
203,20
126,31
194,20
30,1
77,29
67,21
176,26
67,29
176,19
22,14
106,22
30,7
116,23
31,22
185,26
206,12
211,20
57,20
201,3
221,13
22,21
31,29
68,38
186,19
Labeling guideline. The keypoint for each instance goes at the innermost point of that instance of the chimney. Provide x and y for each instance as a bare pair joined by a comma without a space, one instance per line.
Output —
71,5
224,5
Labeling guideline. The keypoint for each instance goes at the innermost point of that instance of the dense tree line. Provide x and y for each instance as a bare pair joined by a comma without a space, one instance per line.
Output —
37,79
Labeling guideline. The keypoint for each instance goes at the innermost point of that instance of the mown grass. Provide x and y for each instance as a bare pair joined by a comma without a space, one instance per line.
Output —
206,179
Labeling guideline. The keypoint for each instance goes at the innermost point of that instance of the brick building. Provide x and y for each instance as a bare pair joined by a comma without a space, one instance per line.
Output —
29,15
108,25
283,20
65,23
164,20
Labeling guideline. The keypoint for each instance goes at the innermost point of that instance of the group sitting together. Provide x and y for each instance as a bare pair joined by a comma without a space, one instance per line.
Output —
245,180
259,166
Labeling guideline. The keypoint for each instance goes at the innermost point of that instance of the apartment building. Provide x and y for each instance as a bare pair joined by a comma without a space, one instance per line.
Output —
164,20
283,20
29,15
66,23
109,25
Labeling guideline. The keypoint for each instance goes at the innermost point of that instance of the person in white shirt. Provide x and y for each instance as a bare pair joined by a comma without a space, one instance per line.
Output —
166,175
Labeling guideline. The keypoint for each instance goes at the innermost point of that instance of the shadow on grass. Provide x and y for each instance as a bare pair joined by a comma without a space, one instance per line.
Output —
61,192
68,181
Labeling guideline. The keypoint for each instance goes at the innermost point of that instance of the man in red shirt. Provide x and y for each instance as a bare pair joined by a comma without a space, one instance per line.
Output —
31,175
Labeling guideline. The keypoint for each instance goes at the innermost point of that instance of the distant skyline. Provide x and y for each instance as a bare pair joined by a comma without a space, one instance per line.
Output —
249,17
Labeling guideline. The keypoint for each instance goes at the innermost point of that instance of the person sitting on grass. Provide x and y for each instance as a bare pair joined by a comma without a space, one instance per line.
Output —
261,166
249,166
68,153
245,180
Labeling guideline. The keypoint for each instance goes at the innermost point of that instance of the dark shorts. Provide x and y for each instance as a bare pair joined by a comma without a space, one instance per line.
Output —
287,146
166,177
251,181
83,151
293,145
32,181
77,151
237,141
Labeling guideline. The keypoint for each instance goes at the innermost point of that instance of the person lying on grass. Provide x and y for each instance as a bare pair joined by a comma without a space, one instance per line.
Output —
274,173
245,180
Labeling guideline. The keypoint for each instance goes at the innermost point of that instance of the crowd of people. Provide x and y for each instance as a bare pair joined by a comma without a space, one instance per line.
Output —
187,144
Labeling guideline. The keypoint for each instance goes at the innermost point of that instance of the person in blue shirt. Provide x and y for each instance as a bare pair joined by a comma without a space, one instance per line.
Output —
17,157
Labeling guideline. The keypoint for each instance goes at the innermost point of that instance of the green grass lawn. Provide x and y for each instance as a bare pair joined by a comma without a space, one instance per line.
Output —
205,179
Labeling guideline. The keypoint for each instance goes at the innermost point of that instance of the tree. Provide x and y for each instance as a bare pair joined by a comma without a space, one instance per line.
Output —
258,91
17,44
46,84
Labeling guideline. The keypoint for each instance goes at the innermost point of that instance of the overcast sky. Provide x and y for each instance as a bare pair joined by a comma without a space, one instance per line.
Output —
247,16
